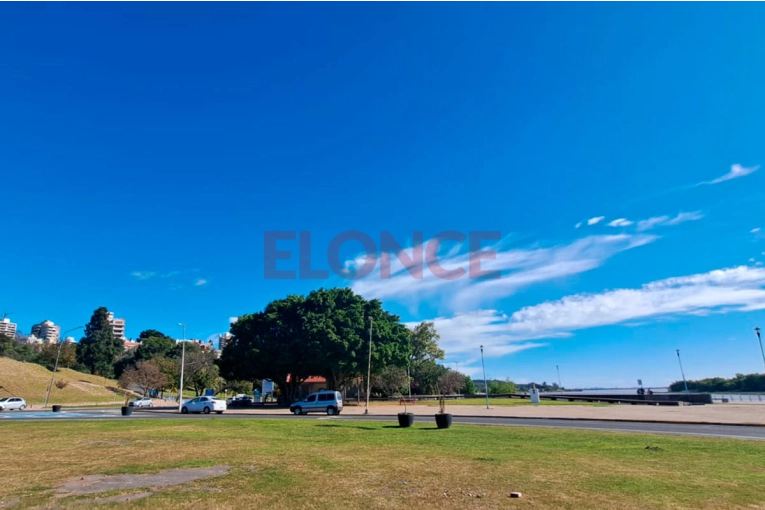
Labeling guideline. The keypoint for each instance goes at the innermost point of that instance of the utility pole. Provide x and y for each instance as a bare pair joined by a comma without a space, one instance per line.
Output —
759,338
55,366
369,366
409,362
485,382
681,371
559,383
183,362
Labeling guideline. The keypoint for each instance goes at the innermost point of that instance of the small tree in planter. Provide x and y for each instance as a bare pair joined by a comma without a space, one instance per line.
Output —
405,419
443,419
125,381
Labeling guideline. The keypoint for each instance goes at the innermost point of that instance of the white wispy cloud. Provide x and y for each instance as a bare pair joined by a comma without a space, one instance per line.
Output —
736,171
736,289
595,220
683,217
146,275
732,289
621,222
463,334
656,221
754,230
143,275
651,223
518,268
578,225
232,320
200,281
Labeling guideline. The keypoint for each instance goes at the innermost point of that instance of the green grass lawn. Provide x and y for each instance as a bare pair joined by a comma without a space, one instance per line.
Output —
332,464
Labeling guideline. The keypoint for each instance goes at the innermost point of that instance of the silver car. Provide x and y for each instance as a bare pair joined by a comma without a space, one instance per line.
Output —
330,402
12,404
141,402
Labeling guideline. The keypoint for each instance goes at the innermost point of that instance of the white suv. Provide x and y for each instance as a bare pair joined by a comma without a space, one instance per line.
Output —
330,402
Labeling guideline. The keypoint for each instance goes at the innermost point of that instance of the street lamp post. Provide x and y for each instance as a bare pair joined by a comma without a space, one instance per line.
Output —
759,338
369,366
681,371
409,363
457,370
485,382
55,365
183,362
559,383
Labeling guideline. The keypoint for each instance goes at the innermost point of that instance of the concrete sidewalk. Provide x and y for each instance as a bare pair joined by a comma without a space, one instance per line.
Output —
730,414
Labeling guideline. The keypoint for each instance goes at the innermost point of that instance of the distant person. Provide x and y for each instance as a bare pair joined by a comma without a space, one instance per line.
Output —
650,391
641,391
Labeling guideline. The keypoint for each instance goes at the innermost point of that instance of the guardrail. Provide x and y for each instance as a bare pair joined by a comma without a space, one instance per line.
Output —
740,397
656,400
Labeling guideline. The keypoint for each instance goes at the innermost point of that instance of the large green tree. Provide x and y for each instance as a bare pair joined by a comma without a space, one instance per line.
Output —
424,345
153,345
337,323
325,334
99,348
272,345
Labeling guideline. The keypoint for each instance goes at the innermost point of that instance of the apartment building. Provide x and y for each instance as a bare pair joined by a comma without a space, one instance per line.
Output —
118,326
47,331
223,340
7,328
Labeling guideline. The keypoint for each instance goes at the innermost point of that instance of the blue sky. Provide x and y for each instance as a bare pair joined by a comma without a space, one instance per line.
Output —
147,148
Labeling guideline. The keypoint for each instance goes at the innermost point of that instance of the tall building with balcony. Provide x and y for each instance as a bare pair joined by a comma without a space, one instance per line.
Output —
7,328
118,326
223,340
47,332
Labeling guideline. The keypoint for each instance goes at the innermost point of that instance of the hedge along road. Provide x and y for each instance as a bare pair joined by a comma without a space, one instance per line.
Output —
682,429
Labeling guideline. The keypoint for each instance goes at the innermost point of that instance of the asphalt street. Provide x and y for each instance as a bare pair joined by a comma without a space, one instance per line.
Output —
683,429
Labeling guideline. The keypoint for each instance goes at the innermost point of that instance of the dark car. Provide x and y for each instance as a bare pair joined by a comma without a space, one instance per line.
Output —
242,401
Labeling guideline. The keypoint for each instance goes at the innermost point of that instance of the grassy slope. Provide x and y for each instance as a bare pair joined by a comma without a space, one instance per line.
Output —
343,464
31,381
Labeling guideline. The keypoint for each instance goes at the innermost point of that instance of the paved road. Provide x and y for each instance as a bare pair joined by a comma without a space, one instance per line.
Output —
683,429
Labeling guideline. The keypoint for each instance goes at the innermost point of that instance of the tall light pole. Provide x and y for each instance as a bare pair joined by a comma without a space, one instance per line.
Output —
369,366
55,366
759,338
183,362
409,362
681,371
485,382
559,383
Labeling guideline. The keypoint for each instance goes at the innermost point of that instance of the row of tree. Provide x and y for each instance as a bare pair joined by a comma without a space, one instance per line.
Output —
44,354
739,383
326,333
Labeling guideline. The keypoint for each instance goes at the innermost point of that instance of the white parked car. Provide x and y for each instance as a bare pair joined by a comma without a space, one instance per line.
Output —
204,405
12,404
141,402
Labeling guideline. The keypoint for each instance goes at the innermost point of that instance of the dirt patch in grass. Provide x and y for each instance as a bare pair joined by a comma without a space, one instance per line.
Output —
100,483
122,498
